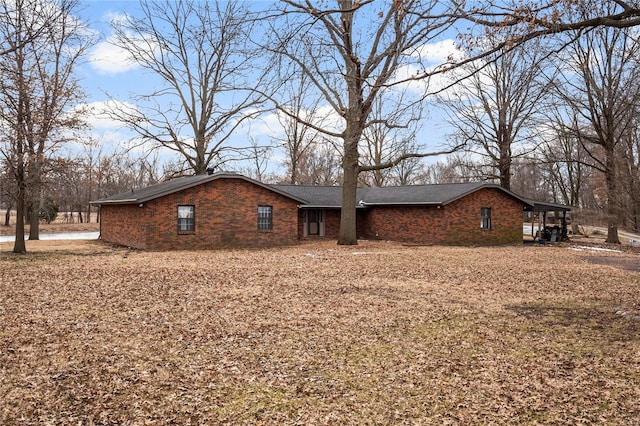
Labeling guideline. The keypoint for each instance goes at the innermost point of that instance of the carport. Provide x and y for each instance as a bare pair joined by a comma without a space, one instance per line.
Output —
540,212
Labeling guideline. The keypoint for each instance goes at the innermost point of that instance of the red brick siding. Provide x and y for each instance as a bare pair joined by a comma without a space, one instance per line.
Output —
457,223
506,219
332,223
417,224
124,225
226,215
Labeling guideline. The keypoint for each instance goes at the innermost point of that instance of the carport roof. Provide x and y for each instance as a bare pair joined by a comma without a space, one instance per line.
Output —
541,206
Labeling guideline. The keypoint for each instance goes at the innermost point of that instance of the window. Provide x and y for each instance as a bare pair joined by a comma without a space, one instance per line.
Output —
186,219
265,218
485,214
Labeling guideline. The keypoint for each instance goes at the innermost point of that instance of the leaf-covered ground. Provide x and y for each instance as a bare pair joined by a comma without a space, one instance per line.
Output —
319,334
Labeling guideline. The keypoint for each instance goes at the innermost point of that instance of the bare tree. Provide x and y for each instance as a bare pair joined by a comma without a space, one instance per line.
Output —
409,172
630,178
381,144
7,189
37,26
298,137
197,49
353,52
564,162
454,168
495,110
526,21
320,165
531,179
259,159
38,92
600,85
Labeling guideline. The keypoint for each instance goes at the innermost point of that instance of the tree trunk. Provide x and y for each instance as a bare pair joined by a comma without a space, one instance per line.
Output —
34,225
35,178
613,206
7,214
504,164
505,178
199,162
19,245
34,220
348,227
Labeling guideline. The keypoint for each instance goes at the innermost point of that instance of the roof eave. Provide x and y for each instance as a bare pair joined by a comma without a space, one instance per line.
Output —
125,201
319,206
539,206
403,203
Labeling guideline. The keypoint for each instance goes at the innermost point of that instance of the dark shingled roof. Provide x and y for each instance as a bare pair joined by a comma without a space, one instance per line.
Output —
441,194
175,185
315,196
154,191
321,196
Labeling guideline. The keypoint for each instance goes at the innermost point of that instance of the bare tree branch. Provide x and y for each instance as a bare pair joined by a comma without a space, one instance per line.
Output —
198,49
38,93
353,53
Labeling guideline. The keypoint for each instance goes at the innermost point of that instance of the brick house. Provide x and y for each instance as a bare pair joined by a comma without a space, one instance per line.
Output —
231,210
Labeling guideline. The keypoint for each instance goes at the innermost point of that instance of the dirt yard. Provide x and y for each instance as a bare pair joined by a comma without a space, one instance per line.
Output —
319,334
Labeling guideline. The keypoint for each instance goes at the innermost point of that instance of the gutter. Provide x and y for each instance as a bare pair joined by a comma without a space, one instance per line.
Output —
323,206
408,203
125,201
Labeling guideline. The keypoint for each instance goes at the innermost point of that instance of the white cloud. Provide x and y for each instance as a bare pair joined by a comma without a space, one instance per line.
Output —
109,59
406,73
330,119
269,125
429,58
114,17
108,132
439,53
265,125
96,113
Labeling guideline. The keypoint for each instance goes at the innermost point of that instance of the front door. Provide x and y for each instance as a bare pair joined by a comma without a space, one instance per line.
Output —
315,222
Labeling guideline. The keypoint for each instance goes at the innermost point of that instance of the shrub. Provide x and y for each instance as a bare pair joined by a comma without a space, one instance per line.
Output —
48,211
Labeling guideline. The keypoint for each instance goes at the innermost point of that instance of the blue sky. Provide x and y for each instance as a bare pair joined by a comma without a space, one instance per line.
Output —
106,65
108,76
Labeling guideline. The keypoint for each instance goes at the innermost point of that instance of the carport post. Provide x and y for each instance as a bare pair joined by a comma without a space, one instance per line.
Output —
564,236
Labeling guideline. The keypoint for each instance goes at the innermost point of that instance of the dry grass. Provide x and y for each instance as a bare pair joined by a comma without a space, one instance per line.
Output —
318,334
